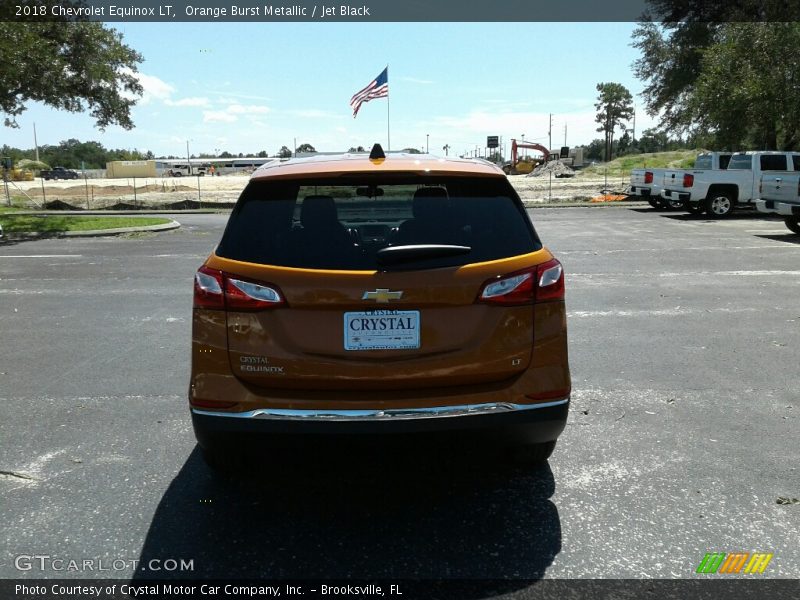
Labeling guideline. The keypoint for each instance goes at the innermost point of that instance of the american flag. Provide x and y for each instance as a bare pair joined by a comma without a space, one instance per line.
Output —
377,88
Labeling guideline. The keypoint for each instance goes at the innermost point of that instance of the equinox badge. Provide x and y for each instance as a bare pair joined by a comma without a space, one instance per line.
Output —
382,296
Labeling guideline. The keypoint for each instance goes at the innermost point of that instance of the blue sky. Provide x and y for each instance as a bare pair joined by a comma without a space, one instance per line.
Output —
246,87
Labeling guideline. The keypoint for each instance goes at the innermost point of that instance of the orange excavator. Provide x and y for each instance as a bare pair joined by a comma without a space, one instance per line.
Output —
519,166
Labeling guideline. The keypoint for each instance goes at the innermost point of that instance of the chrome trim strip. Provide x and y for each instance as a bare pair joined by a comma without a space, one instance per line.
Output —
290,414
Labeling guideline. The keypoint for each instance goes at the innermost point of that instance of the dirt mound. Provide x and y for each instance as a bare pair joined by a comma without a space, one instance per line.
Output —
60,205
556,167
126,206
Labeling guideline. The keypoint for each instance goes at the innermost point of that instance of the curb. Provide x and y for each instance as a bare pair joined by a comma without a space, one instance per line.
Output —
35,235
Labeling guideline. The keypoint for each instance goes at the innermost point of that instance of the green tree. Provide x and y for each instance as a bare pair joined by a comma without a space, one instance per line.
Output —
75,66
614,108
353,149
726,82
306,148
284,152
411,151
595,150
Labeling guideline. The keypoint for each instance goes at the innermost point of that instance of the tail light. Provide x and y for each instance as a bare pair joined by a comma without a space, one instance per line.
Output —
648,177
216,289
542,283
688,180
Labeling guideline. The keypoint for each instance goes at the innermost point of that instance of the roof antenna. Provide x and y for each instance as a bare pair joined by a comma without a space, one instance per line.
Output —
377,152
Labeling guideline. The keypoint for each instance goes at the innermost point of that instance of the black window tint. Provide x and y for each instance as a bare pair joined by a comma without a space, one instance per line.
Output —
343,223
773,162
724,160
796,161
703,162
741,161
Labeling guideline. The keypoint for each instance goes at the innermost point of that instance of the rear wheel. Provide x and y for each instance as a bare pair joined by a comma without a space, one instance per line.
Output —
653,202
693,209
719,204
793,223
532,454
673,204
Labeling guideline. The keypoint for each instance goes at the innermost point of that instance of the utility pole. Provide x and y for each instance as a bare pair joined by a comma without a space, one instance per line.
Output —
35,142
634,124
565,134
188,160
550,136
427,145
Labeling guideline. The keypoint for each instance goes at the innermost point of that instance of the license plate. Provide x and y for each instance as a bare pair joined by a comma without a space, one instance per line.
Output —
381,330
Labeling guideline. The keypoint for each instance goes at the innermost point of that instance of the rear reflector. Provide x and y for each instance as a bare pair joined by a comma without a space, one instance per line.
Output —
218,290
542,283
648,177
688,180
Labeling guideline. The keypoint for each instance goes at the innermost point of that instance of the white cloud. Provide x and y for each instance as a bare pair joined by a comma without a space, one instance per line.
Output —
218,116
187,102
153,87
239,109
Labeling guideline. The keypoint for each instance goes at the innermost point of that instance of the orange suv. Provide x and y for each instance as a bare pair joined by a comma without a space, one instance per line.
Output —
379,295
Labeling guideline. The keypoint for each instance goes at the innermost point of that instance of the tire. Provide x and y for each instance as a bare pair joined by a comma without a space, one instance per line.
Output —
793,223
694,209
719,205
177,174
532,455
653,202
673,204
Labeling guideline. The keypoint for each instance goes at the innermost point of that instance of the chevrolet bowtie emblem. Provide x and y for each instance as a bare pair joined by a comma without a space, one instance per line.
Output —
382,296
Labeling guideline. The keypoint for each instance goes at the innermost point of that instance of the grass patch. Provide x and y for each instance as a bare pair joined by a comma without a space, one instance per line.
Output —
622,166
57,223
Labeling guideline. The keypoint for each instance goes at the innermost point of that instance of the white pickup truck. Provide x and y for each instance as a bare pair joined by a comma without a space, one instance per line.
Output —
651,184
779,193
719,192
675,181
647,184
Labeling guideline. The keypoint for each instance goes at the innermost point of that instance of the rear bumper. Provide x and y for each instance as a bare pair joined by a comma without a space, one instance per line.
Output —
787,209
676,195
531,423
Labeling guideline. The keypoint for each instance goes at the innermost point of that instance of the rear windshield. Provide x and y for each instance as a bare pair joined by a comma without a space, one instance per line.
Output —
741,161
342,223
704,161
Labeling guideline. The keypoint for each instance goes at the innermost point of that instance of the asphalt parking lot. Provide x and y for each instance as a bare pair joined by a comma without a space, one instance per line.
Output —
682,439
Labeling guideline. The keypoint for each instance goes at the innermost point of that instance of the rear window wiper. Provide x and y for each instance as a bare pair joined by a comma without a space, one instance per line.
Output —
394,255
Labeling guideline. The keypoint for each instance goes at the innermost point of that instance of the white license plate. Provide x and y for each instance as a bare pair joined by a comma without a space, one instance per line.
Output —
381,330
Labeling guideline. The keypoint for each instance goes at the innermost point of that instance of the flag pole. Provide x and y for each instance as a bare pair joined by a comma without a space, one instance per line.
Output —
388,131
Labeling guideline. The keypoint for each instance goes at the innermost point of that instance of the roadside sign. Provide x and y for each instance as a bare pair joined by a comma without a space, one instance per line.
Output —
492,141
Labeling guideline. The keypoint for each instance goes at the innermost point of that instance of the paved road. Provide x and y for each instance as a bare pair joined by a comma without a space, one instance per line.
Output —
684,341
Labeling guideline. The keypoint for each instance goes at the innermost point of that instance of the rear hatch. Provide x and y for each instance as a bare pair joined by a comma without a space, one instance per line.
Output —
377,284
